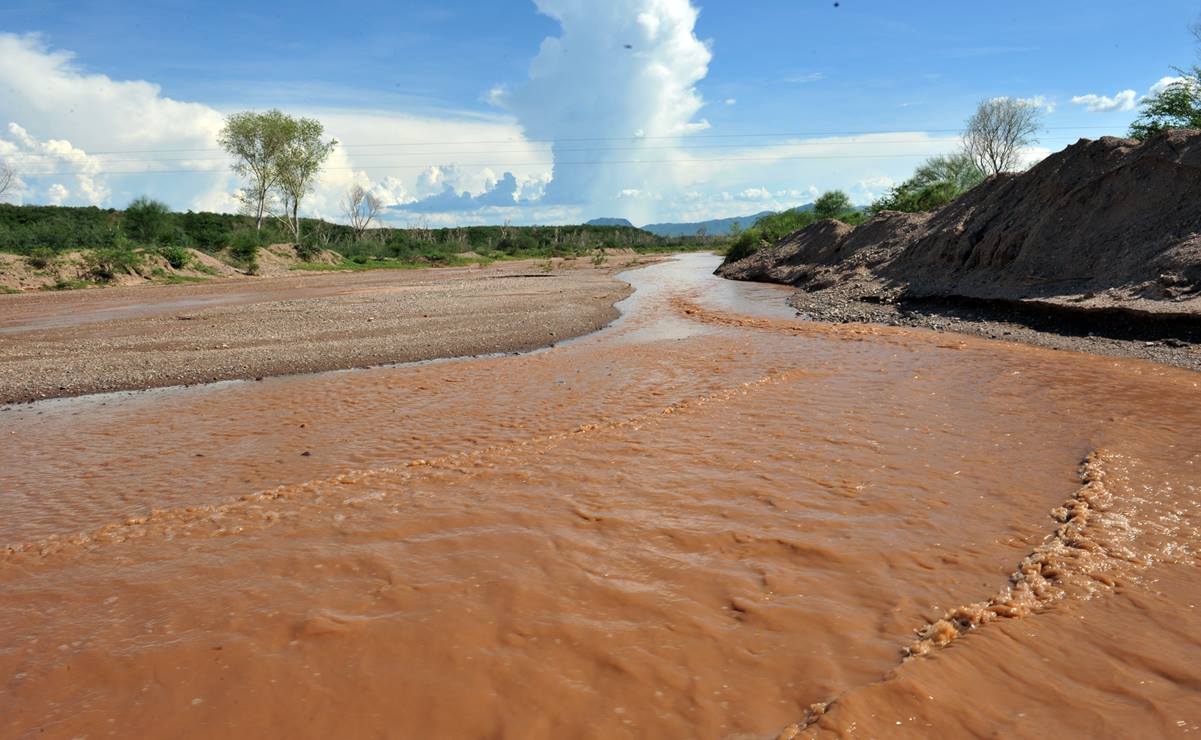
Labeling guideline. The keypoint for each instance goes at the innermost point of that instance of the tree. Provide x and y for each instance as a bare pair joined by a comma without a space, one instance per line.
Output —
832,204
997,132
939,181
360,208
147,221
1176,106
8,178
256,141
297,167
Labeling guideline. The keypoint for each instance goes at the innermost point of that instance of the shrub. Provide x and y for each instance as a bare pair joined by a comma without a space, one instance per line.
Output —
40,258
244,246
177,257
936,183
106,263
147,221
832,204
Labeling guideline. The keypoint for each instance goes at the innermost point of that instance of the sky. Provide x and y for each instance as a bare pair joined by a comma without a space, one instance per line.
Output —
557,111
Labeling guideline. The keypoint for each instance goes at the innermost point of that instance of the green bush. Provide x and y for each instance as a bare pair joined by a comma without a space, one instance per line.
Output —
832,204
177,257
244,245
106,263
936,183
147,221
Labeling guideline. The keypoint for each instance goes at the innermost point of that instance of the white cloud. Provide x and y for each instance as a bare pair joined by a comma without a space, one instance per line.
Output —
57,194
1122,101
1041,102
871,188
755,194
1163,84
646,58
112,135
731,101
30,157
804,79
45,92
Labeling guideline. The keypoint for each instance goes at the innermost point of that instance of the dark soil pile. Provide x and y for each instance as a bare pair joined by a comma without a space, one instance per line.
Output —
1101,241
1101,223
1107,216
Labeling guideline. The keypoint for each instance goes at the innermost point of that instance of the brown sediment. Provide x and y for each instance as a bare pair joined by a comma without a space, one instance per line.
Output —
704,521
1094,249
74,343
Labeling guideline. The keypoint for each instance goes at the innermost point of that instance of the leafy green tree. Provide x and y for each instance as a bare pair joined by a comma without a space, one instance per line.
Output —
297,167
256,141
937,182
1176,106
147,221
832,204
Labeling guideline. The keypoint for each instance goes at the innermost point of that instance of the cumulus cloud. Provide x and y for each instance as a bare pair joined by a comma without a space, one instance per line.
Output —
620,75
45,92
36,160
500,194
1122,101
57,194
755,194
112,136
1163,84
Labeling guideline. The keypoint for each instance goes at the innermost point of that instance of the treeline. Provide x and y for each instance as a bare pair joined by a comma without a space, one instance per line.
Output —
24,229
30,229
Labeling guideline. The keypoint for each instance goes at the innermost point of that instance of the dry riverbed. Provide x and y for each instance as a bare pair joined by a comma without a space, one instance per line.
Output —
68,344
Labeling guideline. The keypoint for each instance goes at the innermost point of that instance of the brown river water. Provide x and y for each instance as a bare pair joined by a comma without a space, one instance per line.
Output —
708,520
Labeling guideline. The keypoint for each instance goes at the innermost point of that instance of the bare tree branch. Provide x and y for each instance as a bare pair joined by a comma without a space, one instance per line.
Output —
360,208
997,132
8,178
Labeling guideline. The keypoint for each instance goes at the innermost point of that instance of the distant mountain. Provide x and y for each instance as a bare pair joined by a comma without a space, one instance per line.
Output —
715,227
609,222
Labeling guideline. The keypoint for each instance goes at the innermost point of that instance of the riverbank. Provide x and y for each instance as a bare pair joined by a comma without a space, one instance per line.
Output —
1114,333
80,342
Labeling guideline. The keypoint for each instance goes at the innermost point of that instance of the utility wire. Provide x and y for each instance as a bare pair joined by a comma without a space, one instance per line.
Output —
686,137
509,164
602,150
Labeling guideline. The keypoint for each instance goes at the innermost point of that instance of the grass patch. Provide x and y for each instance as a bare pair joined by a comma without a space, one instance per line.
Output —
352,265
171,279
5,290
64,284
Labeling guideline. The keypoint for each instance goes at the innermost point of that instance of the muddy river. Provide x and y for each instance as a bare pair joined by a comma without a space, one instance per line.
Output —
708,520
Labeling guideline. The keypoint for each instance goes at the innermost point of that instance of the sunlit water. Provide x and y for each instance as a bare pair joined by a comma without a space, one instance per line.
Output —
695,523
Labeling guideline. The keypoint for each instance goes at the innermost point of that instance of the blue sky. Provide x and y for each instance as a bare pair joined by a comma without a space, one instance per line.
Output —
716,109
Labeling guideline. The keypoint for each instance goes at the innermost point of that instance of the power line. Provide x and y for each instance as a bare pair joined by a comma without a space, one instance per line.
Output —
510,164
468,152
689,136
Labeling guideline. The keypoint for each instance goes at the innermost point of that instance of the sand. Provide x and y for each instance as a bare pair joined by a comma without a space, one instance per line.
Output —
78,342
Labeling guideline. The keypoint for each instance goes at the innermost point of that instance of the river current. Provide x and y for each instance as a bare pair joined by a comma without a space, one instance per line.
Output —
710,519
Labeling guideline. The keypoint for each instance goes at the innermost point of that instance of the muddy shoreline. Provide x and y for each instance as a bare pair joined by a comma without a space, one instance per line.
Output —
1173,340
70,344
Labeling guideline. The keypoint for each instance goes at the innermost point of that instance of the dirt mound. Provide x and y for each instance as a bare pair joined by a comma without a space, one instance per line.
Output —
828,251
22,273
1103,223
1105,215
280,259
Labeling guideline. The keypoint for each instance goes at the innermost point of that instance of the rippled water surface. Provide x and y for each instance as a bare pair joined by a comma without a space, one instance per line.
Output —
700,522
